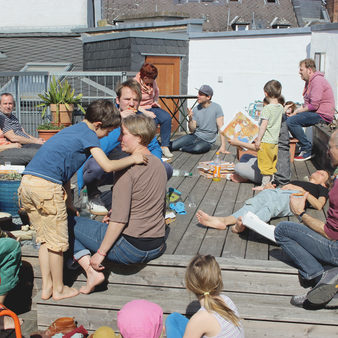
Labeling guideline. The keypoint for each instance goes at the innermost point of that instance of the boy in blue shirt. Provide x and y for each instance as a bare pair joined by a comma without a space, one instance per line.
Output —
45,187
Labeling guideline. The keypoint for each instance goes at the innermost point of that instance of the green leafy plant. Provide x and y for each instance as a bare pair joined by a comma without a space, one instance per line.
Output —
10,177
60,93
50,126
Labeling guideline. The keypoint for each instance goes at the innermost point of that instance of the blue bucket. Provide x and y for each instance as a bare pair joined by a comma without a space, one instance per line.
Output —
9,197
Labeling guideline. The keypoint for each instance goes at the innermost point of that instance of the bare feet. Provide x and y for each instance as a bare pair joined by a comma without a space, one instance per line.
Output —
238,179
213,221
93,278
67,292
239,227
47,289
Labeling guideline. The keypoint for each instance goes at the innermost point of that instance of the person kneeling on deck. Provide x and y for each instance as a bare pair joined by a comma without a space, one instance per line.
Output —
205,121
314,243
134,231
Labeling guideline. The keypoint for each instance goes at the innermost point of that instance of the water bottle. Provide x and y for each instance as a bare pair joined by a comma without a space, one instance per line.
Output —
217,169
180,172
84,212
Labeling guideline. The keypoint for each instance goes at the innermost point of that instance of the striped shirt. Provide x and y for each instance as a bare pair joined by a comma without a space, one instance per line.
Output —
10,122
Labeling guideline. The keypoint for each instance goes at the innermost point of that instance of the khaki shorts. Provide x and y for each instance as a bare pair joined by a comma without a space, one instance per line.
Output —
45,204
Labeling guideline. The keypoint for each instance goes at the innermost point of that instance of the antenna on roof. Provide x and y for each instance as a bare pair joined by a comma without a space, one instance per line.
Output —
228,21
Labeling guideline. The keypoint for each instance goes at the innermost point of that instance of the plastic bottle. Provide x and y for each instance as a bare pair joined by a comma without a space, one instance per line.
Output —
217,170
84,212
179,172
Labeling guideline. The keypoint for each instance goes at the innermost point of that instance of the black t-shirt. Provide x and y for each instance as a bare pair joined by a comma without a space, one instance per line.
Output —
316,190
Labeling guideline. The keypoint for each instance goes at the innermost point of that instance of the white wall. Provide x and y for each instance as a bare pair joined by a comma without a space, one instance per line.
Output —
327,42
246,63
42,14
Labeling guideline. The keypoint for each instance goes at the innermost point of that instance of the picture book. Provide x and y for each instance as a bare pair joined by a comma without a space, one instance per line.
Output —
241,127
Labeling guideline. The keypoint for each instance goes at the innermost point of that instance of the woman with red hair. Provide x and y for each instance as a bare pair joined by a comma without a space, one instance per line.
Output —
149,106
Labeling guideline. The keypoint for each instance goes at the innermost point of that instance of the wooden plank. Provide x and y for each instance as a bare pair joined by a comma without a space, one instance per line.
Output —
250,306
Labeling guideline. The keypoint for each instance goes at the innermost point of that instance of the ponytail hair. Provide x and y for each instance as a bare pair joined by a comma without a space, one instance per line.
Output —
203,277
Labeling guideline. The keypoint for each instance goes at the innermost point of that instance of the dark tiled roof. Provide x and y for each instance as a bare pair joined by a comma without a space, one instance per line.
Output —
218,15
308,11
23,48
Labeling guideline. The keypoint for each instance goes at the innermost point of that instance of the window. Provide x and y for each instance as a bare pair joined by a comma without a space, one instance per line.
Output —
234,0
271,1
320,61
241,27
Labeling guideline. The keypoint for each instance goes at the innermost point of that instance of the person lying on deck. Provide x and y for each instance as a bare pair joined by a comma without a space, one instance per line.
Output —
134,231
273,202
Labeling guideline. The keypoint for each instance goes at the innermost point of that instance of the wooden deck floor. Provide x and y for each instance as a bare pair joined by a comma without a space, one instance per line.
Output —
255,274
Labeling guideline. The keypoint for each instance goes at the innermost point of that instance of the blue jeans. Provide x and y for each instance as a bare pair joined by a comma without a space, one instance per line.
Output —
191,144
307,248
163,118
175,325
267,204
88,236
297,122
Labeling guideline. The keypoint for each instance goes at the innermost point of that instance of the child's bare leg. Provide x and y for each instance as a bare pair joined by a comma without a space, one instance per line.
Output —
239,227
93,277
60,291
47,284
213,221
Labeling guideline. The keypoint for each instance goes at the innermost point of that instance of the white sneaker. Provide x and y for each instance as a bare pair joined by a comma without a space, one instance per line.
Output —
166,152
96,209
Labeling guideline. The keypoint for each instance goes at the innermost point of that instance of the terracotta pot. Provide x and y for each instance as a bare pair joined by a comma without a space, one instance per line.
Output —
65,115
46,134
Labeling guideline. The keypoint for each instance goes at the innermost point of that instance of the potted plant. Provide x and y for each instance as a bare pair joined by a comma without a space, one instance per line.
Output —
61,99
47,130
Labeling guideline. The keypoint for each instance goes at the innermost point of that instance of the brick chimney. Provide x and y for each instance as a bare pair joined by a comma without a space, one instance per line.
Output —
332,8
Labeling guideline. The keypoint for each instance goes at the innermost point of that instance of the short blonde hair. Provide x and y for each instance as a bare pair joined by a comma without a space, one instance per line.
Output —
142,126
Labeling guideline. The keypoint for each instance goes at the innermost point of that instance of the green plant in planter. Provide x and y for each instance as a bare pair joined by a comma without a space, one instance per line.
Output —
50,126
60,93
10,177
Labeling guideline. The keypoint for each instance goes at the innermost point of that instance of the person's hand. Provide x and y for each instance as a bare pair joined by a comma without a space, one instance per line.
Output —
14,145
140,158
128,112
223,150
297,203
106,219
148,113
269,186
95,262
190,114
257,144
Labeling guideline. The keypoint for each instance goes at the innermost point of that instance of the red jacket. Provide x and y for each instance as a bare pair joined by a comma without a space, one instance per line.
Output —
318,96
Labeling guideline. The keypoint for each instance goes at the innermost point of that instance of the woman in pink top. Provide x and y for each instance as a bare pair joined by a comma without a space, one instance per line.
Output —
149,106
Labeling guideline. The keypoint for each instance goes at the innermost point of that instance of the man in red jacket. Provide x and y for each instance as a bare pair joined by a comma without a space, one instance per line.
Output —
319,106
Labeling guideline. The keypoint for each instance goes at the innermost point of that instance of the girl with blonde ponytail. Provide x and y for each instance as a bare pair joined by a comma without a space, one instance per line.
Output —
218,316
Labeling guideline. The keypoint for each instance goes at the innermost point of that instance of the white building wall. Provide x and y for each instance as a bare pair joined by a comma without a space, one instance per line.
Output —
42,15
237,67
327,42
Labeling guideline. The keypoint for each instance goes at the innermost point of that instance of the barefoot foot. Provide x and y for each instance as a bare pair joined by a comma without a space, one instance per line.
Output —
212,221
67,292
94,278
238,179
47,290
239,227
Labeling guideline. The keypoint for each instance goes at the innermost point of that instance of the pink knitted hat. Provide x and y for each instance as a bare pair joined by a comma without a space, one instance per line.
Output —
140,319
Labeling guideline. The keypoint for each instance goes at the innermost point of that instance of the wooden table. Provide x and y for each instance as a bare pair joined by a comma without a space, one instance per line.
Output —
178,108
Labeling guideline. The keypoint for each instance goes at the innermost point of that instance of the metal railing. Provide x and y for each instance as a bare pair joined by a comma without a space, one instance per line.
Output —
25,87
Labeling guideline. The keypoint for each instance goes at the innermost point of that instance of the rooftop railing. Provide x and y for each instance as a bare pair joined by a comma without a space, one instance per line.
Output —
25,87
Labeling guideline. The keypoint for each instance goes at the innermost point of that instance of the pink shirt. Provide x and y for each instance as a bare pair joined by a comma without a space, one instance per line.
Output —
318,96
331,226
149,94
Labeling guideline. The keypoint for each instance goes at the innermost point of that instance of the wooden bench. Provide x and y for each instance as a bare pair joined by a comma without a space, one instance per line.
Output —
260,289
